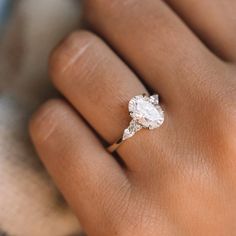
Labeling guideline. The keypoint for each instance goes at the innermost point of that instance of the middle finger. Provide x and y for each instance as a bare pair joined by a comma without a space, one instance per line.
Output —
157,44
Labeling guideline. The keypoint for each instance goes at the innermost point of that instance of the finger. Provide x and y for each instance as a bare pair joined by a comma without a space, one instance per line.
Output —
213,21
98,84
89,178
157,44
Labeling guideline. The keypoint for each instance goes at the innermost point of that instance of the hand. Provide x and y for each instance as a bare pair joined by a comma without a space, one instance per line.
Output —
177,180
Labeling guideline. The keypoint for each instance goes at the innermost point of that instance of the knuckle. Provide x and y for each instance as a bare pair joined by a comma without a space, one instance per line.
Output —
219,116
71,51
43,123
222,108
118,198
117,207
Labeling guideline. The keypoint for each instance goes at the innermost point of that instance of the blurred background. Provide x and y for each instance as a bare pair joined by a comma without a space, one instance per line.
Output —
5,9
30,204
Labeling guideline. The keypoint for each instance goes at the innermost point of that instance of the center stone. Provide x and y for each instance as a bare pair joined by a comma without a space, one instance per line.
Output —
146,112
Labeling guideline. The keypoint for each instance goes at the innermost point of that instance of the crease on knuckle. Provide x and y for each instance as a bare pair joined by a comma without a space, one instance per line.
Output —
71,54
44,123
118,205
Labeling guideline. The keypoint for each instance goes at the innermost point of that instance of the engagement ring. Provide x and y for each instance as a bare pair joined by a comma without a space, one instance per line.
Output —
146,113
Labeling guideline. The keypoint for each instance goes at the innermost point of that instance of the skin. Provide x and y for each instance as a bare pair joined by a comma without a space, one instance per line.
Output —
177,180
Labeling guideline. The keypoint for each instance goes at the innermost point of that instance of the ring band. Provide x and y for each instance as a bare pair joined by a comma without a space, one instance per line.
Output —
146,113
112,148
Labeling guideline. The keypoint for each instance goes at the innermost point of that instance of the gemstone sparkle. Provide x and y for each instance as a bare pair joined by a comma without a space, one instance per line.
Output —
146,113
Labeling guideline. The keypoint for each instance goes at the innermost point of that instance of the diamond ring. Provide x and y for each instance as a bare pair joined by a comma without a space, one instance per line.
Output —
146,113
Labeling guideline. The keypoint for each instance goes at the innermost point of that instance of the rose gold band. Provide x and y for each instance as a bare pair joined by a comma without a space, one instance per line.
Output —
113,147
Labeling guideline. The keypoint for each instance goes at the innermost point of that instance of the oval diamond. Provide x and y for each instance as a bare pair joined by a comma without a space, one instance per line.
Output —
146,111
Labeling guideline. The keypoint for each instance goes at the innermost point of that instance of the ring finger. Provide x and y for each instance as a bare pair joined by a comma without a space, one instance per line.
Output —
99,85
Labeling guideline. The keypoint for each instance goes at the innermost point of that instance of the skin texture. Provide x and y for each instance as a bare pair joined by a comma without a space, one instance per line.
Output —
179,179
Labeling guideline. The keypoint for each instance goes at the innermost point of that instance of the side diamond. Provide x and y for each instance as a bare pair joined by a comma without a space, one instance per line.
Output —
127,134
131,130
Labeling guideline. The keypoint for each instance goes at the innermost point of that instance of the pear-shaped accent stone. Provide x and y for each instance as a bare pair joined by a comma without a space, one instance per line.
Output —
131,130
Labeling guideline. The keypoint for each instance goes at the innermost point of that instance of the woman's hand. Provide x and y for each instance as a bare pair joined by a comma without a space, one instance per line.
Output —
177,180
